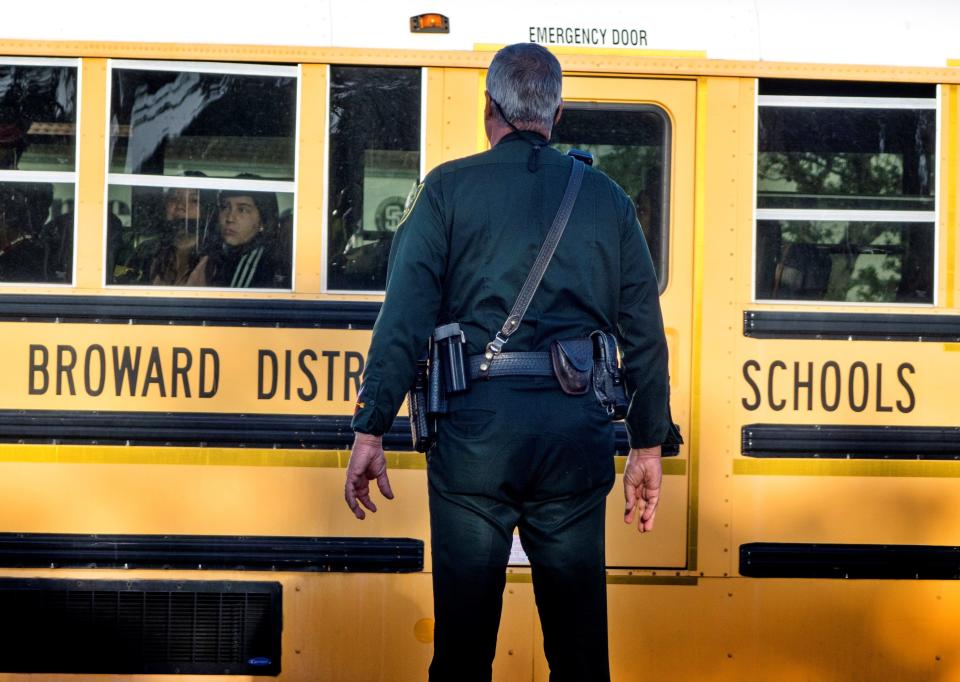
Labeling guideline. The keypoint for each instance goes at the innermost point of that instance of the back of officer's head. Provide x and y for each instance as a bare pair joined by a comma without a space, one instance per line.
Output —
525,80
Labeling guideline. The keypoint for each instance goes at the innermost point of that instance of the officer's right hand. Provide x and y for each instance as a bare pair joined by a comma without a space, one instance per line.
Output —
367,462
641,486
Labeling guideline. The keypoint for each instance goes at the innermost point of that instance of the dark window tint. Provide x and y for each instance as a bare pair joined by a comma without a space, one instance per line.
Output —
846,192
38,118
853,261
630,144
36,232
374,167
218,125
874,159
235,238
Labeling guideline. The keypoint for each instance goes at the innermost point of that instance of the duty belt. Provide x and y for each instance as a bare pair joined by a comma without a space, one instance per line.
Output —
513,364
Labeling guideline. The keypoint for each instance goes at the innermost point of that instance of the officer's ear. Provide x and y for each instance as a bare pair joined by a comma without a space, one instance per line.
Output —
556,116
488,105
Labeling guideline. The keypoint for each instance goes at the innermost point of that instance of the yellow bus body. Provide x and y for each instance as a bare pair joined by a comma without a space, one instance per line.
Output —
679,607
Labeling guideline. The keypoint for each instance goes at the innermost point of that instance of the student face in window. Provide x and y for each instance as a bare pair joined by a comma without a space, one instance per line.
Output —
239,220
182,204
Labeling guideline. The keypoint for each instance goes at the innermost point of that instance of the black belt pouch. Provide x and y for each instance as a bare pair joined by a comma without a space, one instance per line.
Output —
572,361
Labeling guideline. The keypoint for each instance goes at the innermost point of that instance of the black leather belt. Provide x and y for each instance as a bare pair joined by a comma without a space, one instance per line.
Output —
514,364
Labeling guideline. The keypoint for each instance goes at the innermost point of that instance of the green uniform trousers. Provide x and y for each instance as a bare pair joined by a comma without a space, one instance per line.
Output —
516,452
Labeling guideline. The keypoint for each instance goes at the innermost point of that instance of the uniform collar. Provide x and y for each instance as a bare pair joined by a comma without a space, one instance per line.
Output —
527,136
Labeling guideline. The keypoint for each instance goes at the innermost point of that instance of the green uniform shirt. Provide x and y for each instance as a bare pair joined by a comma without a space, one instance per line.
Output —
464,251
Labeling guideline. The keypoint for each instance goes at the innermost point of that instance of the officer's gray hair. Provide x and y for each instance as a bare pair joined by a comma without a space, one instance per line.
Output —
525,79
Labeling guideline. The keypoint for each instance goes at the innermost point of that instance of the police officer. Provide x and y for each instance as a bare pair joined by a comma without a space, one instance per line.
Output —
516,451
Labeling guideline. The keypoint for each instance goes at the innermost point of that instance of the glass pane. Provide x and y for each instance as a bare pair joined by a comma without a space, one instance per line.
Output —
629,144
36,232
189,237
38,116
374,167
219,125
845,261
846,158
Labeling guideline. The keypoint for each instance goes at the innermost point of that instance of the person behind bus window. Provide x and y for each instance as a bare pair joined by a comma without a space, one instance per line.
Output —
162,247
177,252
25,254
245,254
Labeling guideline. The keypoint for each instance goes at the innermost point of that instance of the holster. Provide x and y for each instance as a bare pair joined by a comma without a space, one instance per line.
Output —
607,378
436,390
422,425
593,362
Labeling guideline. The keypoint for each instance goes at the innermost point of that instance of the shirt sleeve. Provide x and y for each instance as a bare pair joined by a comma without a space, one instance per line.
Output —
643,344
415,274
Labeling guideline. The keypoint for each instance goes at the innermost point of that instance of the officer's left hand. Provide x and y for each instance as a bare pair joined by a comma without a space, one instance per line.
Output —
367,462
642,477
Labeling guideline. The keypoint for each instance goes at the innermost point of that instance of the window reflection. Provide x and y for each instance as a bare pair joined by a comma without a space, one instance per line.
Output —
844,261
169,123
846,192
628,143
38,118
846,158
374,166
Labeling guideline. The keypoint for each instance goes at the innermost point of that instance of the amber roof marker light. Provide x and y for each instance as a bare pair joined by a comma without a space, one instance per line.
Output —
429,23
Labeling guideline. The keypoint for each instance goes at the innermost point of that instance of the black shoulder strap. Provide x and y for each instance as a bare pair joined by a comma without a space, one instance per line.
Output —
519,309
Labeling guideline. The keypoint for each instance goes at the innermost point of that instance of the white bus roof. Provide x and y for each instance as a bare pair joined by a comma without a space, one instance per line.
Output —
879,32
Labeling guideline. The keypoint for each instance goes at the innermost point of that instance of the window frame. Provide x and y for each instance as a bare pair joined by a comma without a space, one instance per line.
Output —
325,241
200,183
52,177
666,158
853,215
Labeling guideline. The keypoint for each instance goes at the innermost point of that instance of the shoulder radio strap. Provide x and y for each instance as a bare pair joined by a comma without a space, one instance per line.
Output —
519,309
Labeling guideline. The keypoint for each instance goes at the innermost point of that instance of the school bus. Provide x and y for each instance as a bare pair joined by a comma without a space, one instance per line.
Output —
177,388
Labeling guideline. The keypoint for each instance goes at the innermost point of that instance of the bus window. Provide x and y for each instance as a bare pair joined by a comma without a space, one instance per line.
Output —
846,192
375,126
630,143
201,184
37,142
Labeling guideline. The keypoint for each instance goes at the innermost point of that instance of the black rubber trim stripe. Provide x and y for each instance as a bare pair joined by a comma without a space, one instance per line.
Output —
769,324
877,562
206,429
850,442
216,312
213,552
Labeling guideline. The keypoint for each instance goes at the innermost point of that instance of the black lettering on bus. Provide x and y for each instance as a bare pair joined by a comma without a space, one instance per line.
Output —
880,406
65,368
824,399
908,407
262,356
126,367
865,393
211,390
797,385
307,396
330,355
774,405
154,374
39,368
95,349
349,374
642,37
757,400
180,370
287,362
